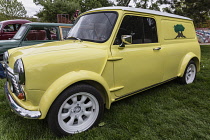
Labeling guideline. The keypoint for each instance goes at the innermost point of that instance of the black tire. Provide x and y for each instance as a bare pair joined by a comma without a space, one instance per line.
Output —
84,107
189,74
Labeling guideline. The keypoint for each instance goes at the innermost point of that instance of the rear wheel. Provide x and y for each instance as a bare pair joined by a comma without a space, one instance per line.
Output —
76,110
189,74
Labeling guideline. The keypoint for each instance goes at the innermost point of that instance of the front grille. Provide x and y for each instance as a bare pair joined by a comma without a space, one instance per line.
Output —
13,83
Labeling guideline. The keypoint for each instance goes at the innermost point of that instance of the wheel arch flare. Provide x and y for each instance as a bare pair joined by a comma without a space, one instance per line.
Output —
69,79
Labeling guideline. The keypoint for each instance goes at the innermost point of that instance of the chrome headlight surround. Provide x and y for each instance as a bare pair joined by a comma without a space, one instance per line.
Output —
6,57
19,71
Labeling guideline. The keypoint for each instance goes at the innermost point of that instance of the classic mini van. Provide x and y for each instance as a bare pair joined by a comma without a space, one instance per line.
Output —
111,53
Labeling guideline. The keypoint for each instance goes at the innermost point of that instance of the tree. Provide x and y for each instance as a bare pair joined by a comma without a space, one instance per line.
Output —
179,28
12,8
90,4
148,4
53,7
123,2
145,4
198,10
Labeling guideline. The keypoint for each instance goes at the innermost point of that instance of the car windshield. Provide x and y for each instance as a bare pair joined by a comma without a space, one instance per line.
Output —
96,27
0,26
20,32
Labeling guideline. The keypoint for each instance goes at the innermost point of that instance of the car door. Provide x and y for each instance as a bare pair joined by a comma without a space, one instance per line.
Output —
138,64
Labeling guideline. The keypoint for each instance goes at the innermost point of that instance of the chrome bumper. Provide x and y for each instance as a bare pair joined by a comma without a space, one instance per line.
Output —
18,109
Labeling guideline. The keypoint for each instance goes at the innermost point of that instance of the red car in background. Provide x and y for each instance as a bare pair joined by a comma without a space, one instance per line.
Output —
8,28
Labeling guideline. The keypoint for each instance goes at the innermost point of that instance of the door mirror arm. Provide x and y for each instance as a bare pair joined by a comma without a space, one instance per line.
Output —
126,39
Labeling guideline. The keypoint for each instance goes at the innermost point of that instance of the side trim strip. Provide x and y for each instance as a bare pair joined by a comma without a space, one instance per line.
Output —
114,58
132,93
116,88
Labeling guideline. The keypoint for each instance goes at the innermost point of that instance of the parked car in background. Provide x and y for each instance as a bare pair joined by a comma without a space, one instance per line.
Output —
8,28
35,33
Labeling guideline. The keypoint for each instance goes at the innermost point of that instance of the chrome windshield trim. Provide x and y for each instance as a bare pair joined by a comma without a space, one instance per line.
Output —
18,109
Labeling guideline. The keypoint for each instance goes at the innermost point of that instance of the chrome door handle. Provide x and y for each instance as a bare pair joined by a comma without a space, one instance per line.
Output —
158,48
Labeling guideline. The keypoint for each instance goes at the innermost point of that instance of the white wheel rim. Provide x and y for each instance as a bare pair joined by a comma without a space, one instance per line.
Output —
190,73
78,112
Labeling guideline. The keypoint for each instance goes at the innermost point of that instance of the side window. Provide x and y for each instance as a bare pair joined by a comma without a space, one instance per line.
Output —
150,31
17,26
142,30
9,28
65,32
42,33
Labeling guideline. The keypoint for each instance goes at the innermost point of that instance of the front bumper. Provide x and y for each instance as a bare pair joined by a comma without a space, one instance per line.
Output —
18,109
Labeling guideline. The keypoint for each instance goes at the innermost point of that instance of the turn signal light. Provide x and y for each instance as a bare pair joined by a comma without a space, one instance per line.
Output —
21,96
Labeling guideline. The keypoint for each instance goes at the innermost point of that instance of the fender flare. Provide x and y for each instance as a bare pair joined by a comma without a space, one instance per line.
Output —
58,86
185,61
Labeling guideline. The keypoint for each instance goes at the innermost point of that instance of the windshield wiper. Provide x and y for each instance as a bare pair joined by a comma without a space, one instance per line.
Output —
72,37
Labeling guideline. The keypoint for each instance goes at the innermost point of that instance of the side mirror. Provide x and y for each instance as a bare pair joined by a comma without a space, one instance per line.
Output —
126,39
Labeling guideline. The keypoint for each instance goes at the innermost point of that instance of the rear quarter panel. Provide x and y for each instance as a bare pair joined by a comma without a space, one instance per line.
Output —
177,44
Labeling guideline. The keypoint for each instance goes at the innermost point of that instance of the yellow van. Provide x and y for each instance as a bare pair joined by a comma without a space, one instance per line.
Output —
110,53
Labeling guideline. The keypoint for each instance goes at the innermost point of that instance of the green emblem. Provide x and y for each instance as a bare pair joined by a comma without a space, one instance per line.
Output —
179,28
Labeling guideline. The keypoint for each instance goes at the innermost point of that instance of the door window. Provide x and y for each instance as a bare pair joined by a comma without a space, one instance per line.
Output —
142,30
12,27
9,28
42,33
150,30
65,32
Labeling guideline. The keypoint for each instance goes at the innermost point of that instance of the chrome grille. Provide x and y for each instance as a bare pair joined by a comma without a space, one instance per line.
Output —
14,86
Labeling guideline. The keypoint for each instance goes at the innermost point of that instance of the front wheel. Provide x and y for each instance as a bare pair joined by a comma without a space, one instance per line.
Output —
189,74
76,110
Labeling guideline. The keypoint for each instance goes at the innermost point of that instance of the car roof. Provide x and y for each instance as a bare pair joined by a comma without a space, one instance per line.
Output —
141,11
48,24
15,20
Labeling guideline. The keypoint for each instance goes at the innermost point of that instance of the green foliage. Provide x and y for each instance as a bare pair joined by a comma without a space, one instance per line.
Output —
90,4
53,7
123,2
179,28
145,4
198,10
168,112
142,4
11,9
3,17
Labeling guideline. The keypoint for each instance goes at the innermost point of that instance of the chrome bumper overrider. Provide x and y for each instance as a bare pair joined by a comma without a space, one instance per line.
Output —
15,87
18,109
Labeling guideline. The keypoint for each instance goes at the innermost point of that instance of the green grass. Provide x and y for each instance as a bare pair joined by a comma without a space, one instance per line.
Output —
169,111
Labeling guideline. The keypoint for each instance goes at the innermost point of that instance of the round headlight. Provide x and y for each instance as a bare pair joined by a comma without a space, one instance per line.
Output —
6,56
19,71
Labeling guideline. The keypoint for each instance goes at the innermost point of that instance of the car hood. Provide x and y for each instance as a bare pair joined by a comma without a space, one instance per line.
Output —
9,43
45,47
5,42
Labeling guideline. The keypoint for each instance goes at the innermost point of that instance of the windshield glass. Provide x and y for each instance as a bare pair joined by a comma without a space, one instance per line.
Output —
20,33
0,26
96,27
